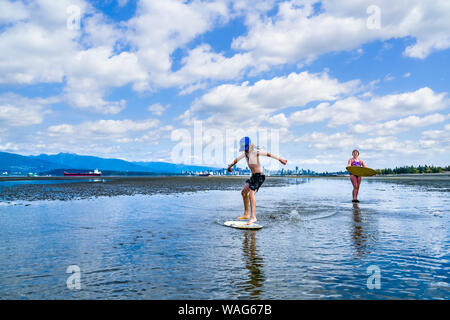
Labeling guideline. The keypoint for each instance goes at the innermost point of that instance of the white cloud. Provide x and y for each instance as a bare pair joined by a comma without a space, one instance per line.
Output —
18,111
320,140
42,49
98,31
202,63
36,46
252,104
11,147
157,108
160,27
389,77
125,139
439,139
397,126
294,35
351,110
36,49
337,142
103,129
298,33
310,115
92,72
12,11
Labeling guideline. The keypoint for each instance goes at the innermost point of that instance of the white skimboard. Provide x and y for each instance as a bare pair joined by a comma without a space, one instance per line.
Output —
242,225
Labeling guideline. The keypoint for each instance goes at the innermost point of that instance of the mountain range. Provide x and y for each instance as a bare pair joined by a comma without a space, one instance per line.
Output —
58,163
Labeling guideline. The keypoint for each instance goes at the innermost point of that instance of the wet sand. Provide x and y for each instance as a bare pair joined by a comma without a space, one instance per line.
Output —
58,188
117,186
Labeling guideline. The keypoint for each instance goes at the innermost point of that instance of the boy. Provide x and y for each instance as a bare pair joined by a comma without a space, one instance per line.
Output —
251,153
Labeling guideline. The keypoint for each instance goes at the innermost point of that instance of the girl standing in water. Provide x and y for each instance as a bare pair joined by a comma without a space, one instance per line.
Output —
356,180
252,185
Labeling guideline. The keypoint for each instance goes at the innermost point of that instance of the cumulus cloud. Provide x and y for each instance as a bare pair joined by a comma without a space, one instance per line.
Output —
18,111
352,109
157,108
36,46
125,139
95,70
439,139
298,32
42,49
253,103
12,11
36,49
401,125
202,63
160,27
103,129
337,142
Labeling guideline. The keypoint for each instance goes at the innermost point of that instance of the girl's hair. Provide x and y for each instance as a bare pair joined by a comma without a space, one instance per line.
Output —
356,151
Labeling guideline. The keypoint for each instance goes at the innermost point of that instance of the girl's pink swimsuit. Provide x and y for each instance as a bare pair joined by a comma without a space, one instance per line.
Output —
356,163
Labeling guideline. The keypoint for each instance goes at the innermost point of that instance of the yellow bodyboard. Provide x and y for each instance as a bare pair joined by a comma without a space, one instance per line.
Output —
361,171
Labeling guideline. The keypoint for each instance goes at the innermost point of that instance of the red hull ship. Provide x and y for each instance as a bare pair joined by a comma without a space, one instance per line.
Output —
95,173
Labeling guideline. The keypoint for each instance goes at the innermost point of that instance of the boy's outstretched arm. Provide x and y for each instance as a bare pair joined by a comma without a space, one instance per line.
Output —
230,167
268,154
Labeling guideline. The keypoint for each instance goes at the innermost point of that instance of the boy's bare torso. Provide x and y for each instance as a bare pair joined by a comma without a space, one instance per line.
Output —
253,160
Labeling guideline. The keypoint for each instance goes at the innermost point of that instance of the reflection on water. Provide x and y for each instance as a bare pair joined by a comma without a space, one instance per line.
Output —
315,243
360,235
254,263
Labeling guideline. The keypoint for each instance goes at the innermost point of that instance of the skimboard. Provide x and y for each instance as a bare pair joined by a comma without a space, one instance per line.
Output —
361,171
242,225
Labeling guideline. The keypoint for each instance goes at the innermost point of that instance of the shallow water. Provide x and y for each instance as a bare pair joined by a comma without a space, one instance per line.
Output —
315,243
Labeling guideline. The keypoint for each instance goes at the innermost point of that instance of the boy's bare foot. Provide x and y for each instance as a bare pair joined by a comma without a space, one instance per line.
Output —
251,221
244,217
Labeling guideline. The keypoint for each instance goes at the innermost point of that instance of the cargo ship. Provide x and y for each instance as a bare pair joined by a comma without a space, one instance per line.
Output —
94,173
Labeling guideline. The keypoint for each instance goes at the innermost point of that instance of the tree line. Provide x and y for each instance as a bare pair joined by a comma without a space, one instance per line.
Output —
413,169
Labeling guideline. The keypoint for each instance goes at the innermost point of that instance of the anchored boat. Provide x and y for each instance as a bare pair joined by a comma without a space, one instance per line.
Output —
94,173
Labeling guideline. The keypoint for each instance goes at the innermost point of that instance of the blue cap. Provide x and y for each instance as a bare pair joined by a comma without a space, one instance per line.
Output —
244,144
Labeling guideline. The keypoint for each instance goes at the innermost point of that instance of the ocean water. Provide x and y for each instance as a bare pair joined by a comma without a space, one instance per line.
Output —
315,243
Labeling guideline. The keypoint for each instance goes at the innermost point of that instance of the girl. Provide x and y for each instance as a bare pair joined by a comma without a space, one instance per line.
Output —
252,185
356,180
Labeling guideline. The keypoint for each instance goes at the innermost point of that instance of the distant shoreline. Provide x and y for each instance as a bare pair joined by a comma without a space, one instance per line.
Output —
412,176
71,188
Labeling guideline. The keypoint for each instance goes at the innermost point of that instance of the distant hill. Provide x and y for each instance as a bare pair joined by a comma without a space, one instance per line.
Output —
57,163
73,161
15,163
171,167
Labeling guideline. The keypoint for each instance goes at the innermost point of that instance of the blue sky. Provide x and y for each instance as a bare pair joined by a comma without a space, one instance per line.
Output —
134,77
